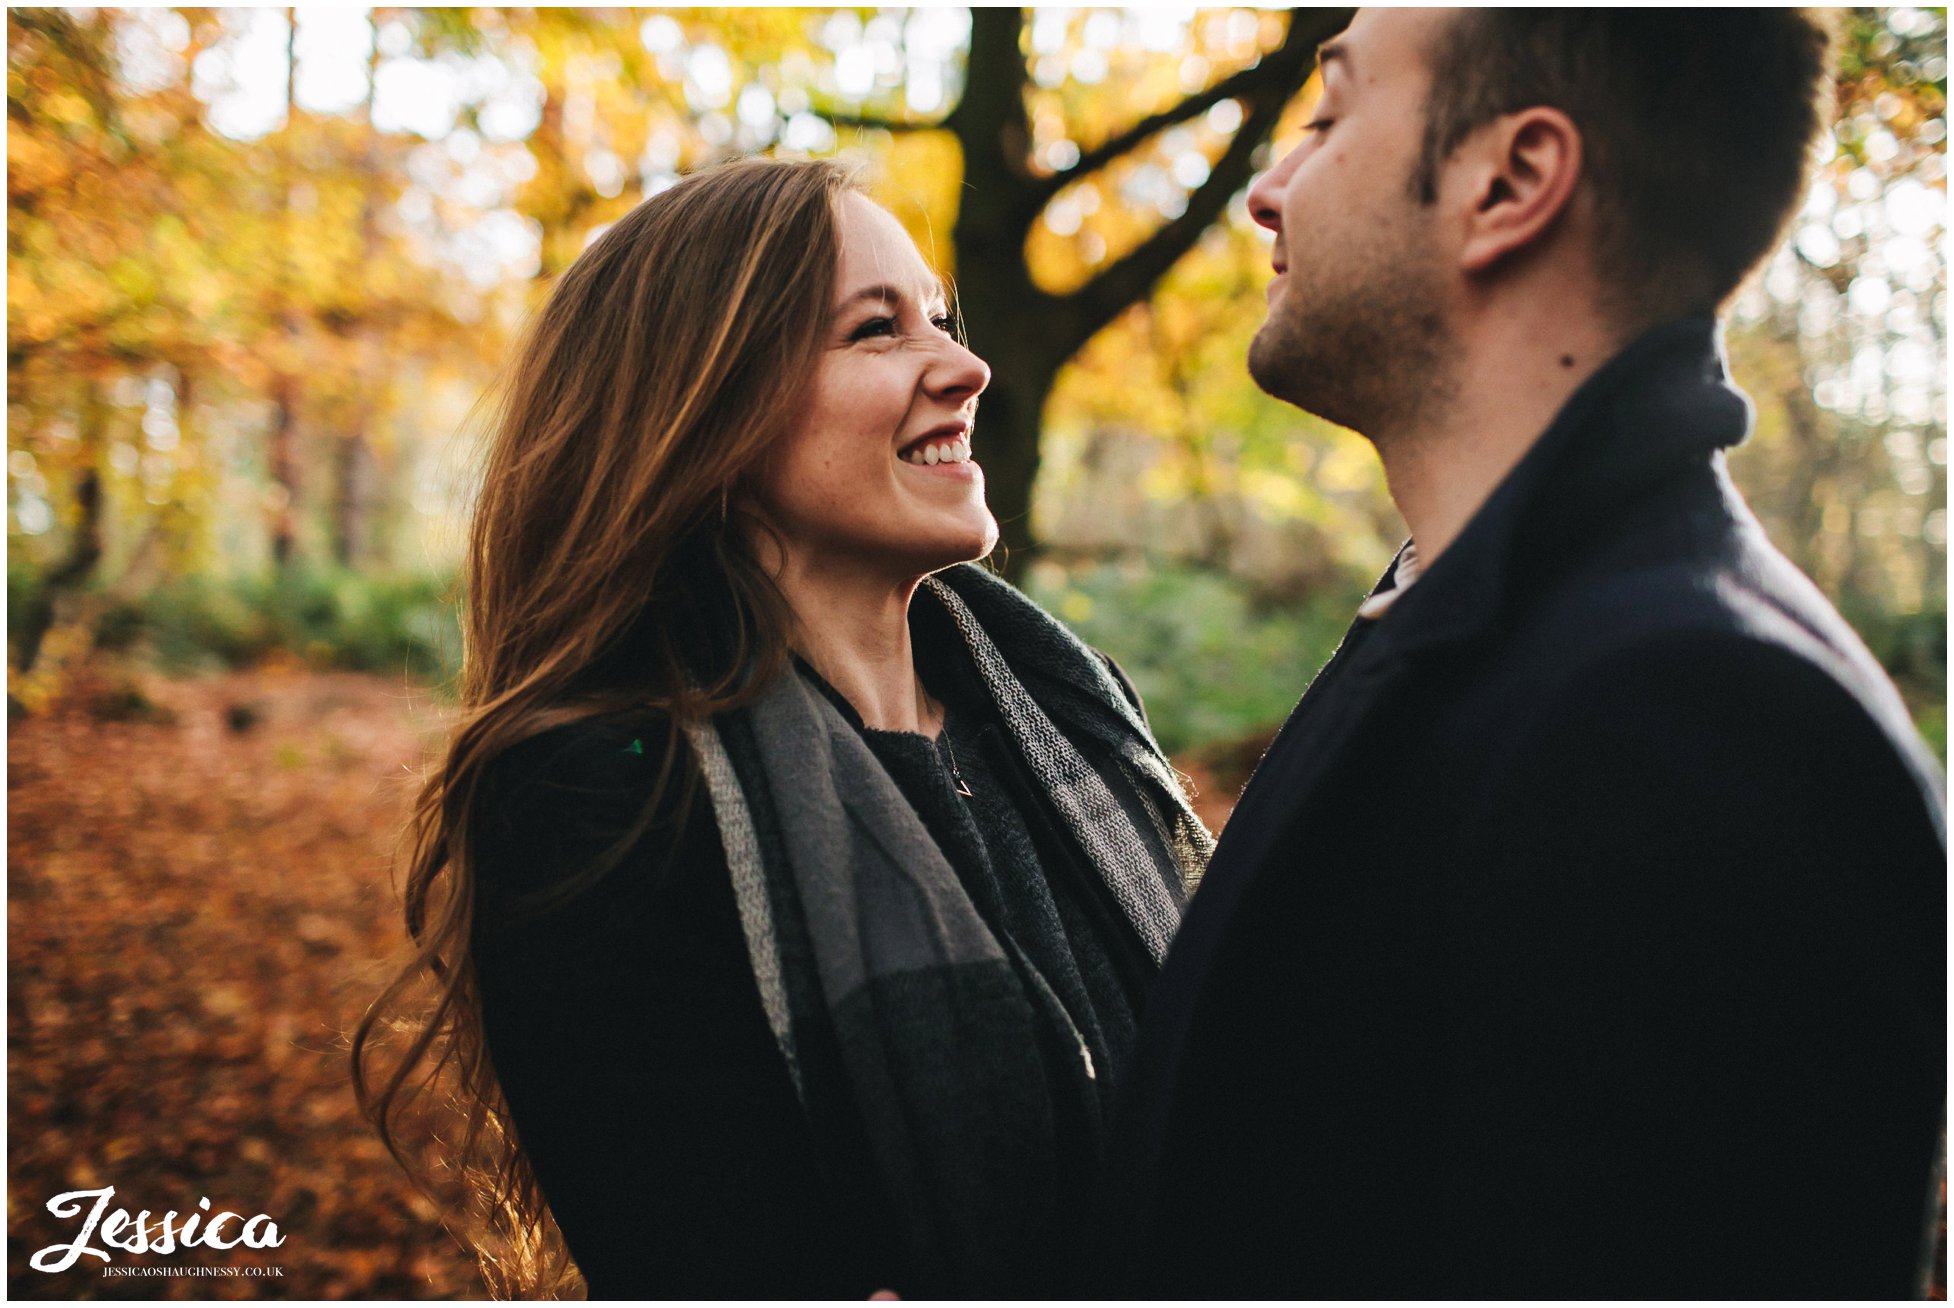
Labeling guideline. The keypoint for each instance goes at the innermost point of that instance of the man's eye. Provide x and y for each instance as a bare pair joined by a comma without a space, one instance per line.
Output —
873,327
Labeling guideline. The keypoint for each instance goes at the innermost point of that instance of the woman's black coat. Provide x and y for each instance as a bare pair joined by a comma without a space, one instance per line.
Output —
627,1032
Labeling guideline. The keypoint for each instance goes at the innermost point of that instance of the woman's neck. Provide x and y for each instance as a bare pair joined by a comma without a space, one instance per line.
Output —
855,631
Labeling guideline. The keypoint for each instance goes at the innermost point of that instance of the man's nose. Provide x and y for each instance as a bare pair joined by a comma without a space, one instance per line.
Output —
1265,196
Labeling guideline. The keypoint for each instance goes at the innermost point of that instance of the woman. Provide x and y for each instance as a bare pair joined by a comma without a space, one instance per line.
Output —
792,889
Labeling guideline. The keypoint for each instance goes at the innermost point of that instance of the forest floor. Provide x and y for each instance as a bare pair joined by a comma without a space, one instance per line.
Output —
202,901
200,907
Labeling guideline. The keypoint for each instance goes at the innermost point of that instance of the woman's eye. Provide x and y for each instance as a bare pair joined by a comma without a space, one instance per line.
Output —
1319,125
873,327
943,322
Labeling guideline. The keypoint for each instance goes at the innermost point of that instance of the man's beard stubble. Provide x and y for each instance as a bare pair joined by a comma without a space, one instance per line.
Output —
1367,354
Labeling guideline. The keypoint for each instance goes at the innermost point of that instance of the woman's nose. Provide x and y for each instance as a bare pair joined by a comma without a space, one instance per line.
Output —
958,374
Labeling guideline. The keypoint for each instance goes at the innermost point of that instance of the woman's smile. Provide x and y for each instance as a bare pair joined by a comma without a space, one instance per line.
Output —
953,461
944,447
894,383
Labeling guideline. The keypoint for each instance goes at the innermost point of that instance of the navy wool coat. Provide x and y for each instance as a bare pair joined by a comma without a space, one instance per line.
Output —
1581,934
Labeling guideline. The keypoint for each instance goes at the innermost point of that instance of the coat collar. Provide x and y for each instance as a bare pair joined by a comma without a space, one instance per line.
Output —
1663,404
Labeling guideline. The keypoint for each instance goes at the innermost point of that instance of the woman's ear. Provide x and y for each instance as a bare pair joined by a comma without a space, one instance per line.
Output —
1523,171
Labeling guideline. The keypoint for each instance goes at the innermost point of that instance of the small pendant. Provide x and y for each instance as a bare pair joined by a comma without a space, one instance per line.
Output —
948,752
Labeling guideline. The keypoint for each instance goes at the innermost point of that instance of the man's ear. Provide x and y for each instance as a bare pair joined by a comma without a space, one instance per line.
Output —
1526,167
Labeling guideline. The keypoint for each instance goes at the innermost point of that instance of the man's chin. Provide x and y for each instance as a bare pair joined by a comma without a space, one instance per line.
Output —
1274,367
1264,360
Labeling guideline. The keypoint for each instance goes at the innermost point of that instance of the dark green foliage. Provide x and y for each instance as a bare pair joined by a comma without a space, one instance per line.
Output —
1217,667
1212,664
398,624
26,593
1912,647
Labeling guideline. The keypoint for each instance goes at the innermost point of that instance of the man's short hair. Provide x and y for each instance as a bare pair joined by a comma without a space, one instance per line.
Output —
1696,127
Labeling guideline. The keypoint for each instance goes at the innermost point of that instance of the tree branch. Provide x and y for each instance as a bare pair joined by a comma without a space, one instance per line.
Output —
1133,276
1287,65
869,122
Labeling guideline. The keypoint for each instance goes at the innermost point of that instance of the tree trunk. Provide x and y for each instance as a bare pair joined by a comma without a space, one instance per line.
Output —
1025,333
282,451
76,570
355,482
284,470
355,494
1010,420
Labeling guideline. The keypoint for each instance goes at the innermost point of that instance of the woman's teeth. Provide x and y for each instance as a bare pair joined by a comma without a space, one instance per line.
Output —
956,451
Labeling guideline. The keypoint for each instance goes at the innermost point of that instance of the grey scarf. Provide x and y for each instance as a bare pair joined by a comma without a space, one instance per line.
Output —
855,919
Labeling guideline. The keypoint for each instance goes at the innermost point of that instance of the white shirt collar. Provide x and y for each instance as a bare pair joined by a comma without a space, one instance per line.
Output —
1375,607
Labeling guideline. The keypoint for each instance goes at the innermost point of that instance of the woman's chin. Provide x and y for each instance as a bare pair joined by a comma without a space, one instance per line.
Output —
965,546
982,541
990,539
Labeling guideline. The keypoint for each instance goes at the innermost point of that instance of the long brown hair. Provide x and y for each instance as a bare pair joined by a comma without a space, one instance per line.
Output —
608,568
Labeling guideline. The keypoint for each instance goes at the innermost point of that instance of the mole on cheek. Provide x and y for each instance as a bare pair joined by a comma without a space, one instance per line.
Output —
1567,361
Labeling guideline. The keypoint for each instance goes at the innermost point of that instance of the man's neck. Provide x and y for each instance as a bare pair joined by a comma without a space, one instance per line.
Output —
1510,374
853,626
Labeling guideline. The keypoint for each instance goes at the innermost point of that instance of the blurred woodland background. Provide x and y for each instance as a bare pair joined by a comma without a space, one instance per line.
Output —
263,262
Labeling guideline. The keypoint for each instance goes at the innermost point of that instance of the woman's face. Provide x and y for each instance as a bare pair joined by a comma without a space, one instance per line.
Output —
876,476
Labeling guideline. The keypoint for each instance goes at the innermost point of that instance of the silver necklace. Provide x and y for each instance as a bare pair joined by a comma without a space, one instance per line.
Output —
963,787
956,773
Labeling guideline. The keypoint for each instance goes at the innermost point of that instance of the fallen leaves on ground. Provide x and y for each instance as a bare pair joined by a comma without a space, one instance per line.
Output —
201,905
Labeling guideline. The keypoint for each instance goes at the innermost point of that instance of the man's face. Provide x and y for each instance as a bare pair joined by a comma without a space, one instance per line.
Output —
1356,324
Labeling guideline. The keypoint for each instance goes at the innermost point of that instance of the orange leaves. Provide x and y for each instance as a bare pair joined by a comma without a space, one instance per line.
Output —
192,931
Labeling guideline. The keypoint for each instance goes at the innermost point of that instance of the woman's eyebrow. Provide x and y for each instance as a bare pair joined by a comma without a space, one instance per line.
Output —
883,291
880,291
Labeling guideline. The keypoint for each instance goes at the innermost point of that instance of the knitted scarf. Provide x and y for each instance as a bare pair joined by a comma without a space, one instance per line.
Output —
856,923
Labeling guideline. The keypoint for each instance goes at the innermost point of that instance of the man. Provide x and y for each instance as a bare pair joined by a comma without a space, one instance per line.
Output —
1583,932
